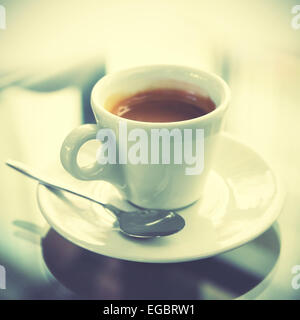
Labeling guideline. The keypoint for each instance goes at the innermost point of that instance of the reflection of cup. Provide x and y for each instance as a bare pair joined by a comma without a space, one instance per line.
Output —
165,186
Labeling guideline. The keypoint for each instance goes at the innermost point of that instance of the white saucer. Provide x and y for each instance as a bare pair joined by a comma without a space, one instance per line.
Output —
242,199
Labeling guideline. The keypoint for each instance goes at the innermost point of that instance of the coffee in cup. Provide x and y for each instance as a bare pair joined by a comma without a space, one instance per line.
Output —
163,105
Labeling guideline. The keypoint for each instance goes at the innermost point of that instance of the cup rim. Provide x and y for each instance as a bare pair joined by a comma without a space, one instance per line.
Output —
221,107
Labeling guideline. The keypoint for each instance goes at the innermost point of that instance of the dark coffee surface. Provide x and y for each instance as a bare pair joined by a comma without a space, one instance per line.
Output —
163,105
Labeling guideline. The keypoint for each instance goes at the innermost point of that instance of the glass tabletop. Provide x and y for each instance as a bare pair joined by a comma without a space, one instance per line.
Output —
66,271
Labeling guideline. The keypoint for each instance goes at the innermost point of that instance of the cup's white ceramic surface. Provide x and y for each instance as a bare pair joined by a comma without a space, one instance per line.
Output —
163,186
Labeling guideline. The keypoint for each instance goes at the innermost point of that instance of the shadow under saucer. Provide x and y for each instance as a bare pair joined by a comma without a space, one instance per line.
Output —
227,276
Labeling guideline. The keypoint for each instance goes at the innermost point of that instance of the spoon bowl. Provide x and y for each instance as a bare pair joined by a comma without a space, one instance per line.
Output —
148,223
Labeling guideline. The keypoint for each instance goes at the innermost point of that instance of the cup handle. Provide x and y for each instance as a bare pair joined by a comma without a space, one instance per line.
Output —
69,151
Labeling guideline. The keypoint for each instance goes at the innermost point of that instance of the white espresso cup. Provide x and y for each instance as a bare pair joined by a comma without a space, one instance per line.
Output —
162,185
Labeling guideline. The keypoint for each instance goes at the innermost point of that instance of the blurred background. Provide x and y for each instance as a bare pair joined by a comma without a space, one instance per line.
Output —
52,53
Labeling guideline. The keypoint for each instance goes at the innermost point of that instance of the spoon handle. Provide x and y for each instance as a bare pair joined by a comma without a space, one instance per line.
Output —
33,174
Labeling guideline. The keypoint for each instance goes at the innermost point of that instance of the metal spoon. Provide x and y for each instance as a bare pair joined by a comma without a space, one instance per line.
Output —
141,223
